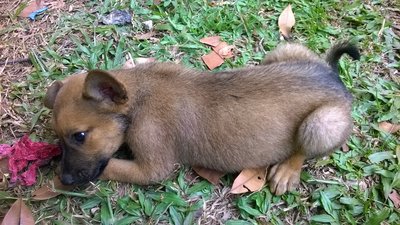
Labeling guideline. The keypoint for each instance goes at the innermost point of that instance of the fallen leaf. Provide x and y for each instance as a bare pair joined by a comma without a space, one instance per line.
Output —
32,7
212,60
3,167
18,214
144,60
212,41
47,191
249,180
145,36
286,21
224,50
212,176
345,147
129,63
395,197
389,127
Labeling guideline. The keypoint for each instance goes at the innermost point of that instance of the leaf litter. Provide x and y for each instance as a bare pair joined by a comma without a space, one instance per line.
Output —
50,190
389,127
286,21
249,180
220,51
213,176
18,214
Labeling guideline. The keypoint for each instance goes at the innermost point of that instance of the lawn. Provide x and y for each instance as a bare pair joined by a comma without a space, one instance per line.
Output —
357,184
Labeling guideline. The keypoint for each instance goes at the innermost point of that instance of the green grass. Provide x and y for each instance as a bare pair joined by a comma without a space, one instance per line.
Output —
345,188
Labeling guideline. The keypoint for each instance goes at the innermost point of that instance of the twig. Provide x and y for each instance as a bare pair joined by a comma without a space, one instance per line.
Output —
6,62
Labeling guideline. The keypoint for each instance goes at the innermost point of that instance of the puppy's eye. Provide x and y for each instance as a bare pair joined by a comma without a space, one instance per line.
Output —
79,137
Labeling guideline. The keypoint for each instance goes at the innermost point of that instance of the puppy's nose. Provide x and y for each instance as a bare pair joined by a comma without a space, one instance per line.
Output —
67,179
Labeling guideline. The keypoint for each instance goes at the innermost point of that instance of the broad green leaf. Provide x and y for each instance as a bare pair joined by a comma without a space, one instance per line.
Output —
378,217
380,156
323,218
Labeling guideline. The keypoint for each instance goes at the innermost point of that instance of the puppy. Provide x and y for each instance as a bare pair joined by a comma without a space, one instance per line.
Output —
290,108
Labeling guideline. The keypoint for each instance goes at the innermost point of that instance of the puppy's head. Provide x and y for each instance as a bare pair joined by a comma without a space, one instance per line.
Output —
89,119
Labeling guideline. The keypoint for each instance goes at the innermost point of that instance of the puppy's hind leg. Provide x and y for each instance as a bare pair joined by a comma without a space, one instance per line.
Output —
321,132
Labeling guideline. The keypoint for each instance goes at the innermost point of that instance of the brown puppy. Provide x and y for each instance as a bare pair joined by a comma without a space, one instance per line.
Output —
291,108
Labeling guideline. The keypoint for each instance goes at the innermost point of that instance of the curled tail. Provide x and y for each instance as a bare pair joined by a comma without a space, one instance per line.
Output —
336,51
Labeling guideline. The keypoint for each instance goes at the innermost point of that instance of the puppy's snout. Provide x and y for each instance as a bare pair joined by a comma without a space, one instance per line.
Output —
67,179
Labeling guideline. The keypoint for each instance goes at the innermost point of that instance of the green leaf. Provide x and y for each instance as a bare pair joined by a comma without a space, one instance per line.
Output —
378,217
326,203
127,220
189,219
91,203
175,216
380,156
130,206
323,218
237,222
169,198
244,205
396,180
4,195
387,187
349,201
106,214
199,188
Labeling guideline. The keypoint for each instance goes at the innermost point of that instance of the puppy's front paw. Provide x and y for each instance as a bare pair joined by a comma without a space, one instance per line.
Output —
283,177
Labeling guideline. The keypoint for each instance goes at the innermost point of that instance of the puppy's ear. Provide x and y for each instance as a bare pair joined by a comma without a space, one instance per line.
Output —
51,94
102,86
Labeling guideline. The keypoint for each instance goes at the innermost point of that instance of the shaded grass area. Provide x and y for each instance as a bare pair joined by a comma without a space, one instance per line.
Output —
348,187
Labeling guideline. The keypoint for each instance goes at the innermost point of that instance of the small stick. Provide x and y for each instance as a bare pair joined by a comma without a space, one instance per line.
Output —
6,62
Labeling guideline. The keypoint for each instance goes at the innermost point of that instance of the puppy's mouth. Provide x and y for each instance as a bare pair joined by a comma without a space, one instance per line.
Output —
100,168
84,176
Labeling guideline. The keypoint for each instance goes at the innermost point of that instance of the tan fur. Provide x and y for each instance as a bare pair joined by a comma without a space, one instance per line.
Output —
290,52
280,113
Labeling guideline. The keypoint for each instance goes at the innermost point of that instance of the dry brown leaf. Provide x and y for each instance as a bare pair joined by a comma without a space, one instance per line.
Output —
249,180
345,147
286,21
130,62
212,176
145,36
395,197
18,214
212,41
389,127
47,191
3,167
224,50
144,60
32,7
212,60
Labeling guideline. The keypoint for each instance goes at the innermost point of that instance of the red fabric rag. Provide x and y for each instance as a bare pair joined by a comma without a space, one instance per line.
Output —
25,157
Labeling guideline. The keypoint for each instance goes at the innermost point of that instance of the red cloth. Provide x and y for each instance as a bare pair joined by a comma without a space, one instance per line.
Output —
25,157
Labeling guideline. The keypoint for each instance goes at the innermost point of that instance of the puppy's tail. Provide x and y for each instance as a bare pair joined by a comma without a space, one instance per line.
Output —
336,51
